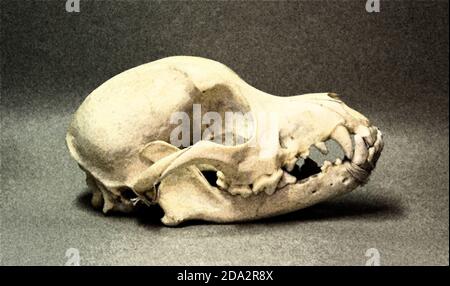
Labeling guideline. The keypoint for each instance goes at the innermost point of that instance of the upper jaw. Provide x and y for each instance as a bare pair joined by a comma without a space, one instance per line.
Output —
361,154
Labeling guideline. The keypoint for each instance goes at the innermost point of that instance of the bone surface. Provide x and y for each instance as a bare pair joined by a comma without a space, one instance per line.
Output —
121,137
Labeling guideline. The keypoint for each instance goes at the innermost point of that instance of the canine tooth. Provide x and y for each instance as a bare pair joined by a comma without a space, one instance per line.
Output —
361,151
338,161
326,165
363,131
341,135
322,147
286,179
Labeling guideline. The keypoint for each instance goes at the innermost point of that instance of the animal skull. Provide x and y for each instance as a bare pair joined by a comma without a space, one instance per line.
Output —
121,138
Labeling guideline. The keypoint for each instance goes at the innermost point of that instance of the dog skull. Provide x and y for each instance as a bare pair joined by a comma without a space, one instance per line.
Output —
121,137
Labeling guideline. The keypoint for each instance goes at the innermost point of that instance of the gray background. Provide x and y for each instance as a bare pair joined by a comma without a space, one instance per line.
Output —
392,66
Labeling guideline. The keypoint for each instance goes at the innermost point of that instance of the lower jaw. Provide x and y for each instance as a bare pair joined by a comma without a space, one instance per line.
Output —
333,181
222,207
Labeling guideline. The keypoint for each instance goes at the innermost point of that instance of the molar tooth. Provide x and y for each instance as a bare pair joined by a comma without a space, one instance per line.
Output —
286,179
305,154
326,165
289,165
221,180
270,190
268,183
342,136
222,184
361,152
242,190
322,147
220,175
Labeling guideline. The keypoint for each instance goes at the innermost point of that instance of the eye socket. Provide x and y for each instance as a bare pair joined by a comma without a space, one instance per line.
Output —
127,193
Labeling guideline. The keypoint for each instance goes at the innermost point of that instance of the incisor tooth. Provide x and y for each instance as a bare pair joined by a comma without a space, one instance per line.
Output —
371,153
322,147
361,151
341,136
338,161
373,132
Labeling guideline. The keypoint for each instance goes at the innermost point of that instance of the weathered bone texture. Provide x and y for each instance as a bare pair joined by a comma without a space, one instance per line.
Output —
120,137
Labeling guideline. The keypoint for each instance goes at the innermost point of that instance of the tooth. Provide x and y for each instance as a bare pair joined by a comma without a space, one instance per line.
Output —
373,132
363,131
378,143
341,135
290,164
371,153
338,161
361,151
378,146
221,180
268,183
286,179
220,175
242,190
366,134
380,138
322,147
326,165
222,184
305,154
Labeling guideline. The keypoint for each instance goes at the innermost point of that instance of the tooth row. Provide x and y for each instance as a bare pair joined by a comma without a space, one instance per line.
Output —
368,146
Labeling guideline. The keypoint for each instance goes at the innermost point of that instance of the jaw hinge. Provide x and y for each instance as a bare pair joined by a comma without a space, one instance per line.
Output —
145,199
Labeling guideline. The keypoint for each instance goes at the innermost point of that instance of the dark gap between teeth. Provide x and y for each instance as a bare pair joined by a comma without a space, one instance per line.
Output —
307,169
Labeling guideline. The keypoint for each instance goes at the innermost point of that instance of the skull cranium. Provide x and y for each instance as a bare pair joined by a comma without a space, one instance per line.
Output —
121,137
